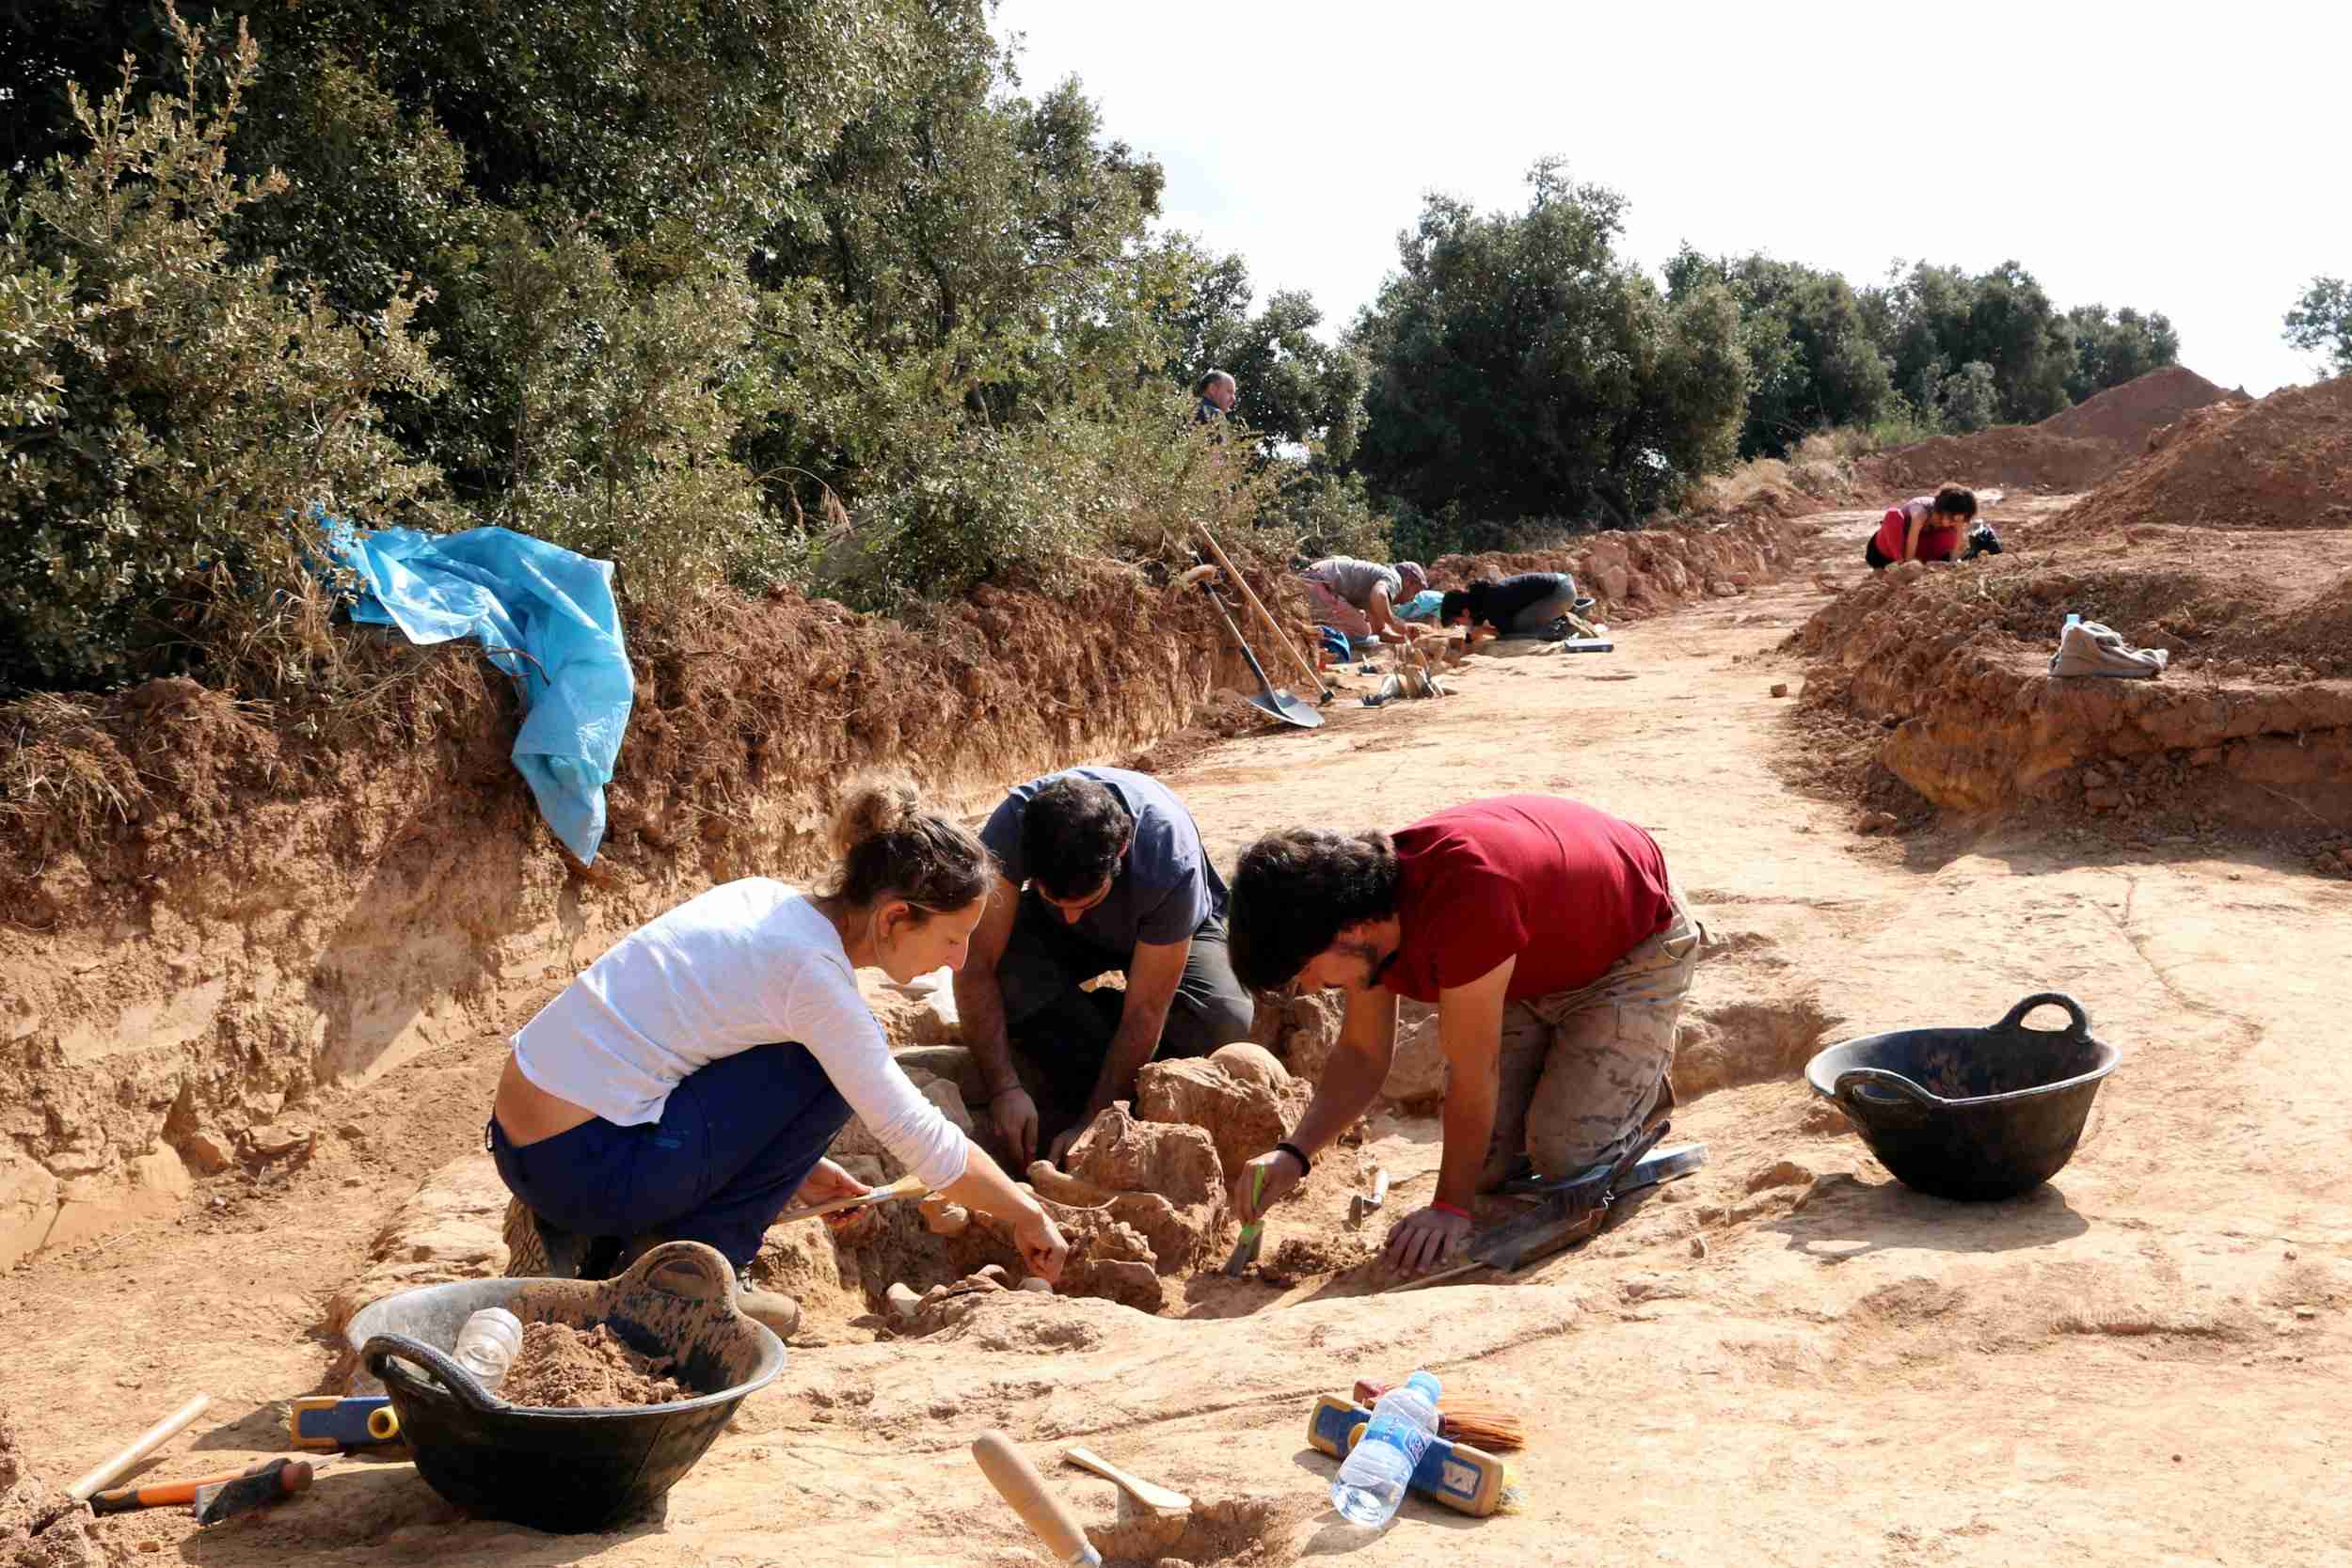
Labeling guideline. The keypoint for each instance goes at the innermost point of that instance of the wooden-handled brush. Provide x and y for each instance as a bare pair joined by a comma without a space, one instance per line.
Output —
1017,1481
1491,1427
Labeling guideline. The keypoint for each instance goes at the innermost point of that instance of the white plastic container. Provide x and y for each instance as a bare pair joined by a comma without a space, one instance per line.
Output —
488,1344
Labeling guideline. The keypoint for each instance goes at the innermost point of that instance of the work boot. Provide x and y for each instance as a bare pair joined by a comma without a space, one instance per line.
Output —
772,1307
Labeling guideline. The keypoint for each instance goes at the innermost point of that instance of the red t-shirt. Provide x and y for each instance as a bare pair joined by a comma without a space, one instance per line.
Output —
1935,542
1567,889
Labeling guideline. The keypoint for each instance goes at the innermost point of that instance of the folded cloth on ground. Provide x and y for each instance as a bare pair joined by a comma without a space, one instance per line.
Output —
2088,649
1335,642
514,594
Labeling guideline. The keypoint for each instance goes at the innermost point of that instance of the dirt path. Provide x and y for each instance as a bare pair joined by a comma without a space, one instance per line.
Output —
1789,1358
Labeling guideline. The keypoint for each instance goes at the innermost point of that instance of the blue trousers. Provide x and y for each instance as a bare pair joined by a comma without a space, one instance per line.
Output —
735,1142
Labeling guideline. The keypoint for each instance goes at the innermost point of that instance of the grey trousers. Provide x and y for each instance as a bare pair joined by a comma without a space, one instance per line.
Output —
1582,1069
1536,617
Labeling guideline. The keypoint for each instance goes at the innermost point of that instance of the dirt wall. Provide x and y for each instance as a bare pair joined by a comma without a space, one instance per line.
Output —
214,909
1647,572
1974,724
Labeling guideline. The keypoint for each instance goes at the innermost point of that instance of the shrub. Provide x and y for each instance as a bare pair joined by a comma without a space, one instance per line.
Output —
173,410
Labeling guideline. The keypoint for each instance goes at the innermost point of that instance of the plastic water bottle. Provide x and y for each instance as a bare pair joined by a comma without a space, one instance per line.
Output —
1371,1484
488,1343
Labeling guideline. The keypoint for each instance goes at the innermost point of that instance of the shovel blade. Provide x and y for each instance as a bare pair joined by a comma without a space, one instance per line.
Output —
1288,710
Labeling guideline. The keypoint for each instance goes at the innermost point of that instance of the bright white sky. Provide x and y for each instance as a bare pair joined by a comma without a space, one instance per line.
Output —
2183,159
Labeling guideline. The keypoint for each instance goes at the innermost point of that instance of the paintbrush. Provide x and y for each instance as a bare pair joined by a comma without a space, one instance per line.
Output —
1482,1426
908,1185
1245,1250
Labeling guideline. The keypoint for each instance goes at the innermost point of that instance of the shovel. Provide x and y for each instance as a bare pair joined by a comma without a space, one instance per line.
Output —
1280,704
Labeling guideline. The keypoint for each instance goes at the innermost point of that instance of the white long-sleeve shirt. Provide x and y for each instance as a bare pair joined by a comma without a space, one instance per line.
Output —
749,963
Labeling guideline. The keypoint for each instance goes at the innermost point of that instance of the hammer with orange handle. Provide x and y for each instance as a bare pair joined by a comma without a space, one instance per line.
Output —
270,1480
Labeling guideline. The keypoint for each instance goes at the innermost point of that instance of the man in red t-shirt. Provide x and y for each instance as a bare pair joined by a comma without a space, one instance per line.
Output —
1557,952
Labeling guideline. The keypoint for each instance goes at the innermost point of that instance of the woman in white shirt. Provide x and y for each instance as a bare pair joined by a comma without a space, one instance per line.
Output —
686,1085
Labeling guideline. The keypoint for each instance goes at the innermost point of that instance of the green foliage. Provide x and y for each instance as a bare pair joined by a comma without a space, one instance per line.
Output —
1812,363
2113,348
1970,398
625,402
168,407
1521,369
1029,505
1932,321
2321,324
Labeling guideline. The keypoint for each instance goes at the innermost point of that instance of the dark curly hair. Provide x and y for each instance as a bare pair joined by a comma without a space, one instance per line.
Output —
1456,602
1295,891
1073,832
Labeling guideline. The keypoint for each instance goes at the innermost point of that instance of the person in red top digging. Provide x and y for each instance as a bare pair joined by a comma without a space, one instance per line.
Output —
1925,528
1555,947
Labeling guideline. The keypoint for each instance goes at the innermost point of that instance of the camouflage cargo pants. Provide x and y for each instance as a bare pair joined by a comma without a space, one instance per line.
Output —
1582,1070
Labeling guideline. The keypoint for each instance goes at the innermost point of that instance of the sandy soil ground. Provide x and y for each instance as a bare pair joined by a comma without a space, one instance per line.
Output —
1785,1359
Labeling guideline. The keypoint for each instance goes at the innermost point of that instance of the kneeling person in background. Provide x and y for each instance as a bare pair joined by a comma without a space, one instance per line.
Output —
1521,606
1116,879
1556,950
1925,528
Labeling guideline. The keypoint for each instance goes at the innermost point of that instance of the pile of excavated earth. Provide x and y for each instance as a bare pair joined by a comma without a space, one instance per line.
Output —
2229,545
2071,449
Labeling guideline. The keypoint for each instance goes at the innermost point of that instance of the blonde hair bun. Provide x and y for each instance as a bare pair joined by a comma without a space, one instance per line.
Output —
874,807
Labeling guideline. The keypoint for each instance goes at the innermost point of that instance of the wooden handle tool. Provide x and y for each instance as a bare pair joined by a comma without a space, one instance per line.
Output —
906,1186
1017,1481
123,1499
1149,1494
1265,616
139,1448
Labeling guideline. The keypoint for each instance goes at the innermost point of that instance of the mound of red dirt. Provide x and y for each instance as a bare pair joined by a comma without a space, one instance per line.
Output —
2071,449
2249,731
2130,413
2282,463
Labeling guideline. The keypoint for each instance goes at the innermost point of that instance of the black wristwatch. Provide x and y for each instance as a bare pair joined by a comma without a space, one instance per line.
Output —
1306,1166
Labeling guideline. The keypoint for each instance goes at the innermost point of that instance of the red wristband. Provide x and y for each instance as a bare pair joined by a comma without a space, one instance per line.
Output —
1448,1209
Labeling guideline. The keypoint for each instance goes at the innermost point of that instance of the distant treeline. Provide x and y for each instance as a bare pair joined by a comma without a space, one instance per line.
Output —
741,293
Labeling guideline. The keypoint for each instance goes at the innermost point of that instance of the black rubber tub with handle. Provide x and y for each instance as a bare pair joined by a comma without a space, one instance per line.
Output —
569,1470
1970,1114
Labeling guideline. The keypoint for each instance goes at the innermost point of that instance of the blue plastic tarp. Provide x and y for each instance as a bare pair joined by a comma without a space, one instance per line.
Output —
508,591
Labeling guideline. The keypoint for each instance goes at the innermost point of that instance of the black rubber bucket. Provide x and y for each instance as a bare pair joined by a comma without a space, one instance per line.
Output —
1970,1114
569,1470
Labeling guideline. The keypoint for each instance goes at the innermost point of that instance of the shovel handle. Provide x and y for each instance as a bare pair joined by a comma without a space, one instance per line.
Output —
1249,596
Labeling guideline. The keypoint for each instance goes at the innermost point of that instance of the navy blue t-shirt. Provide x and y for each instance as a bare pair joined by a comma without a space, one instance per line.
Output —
1165,888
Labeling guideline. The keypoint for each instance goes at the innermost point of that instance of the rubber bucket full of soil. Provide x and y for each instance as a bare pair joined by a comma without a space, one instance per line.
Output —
669,1326
1970,1114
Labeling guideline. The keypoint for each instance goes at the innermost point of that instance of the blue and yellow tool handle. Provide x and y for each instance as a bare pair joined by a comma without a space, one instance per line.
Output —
323,1422
1454,1475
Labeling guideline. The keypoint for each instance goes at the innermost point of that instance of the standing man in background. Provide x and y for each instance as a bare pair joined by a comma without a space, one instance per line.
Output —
1217,391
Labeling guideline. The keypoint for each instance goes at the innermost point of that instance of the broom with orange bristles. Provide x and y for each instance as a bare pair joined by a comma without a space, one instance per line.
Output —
1491,1427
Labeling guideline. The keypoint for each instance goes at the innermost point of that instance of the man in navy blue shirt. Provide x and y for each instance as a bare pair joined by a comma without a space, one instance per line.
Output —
1102,870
